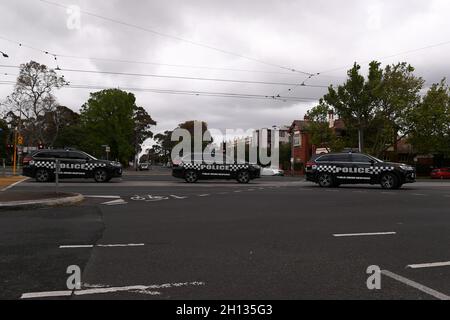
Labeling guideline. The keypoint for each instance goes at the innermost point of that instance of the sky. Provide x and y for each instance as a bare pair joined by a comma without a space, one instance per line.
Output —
264,39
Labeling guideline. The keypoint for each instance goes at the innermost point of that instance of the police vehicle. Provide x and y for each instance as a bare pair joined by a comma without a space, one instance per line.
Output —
192,170
41,165
331,170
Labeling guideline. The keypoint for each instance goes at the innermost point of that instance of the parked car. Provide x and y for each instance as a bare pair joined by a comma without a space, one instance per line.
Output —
144,166
441,173
191,169
334,169
41,165
272,172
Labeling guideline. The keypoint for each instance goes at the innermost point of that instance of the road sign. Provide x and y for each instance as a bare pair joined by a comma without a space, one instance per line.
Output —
108,149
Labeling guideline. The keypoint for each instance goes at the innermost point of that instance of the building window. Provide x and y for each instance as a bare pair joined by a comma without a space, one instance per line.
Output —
297,139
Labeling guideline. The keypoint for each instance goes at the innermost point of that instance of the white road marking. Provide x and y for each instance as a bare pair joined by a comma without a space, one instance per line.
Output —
429,265
237,191
364,234
14,184
178,197
389,193
115,202
103,197
204,195
418,286
418,194
103,246
99,290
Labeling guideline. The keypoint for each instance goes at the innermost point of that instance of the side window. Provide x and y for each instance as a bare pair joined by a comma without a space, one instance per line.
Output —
341,158
361,158
324,159
76,156
42,155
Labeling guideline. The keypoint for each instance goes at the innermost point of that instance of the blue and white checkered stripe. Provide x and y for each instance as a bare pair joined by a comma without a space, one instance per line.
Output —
230,167
52,165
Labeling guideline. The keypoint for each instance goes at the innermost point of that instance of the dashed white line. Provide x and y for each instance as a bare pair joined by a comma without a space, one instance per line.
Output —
204,195
364,234
115,202
102,246
102,197
429,265
418,194
178,197
418,286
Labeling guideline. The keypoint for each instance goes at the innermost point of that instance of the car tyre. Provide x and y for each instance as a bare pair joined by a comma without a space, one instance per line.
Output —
326,180
101,176
43,175
389,181
191,176
243,177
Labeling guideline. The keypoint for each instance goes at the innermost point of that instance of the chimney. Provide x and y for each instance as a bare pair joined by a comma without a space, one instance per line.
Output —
331,118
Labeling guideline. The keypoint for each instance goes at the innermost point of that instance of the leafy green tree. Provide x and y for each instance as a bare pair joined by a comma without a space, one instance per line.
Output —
108,119
319,128
353,101
395,98
431,122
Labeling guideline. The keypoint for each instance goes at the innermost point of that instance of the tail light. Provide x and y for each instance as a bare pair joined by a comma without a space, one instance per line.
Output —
176,162
26,160
310,164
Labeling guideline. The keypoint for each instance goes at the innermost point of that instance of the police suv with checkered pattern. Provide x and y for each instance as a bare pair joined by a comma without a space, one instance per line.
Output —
331,170
192,168
41,165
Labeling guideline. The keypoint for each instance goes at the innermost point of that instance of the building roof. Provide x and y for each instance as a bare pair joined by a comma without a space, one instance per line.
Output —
299,125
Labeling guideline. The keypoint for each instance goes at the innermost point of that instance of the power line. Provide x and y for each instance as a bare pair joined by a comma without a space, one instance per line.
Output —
407,52
185,92
177,77
58,55
177,38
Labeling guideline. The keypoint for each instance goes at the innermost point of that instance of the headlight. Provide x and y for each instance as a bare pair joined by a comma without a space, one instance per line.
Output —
406,168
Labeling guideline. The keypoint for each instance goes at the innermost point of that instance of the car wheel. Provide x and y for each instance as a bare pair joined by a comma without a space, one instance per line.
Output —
43,175
191,176
243,177
101,176
389,181
326,180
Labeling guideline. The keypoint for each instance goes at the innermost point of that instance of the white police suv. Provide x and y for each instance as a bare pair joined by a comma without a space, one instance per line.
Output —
41,165
331,170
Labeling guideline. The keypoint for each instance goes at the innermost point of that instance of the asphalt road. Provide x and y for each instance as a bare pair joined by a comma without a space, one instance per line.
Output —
276,238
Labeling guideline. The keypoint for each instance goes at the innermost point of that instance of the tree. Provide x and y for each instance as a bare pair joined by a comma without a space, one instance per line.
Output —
395,99
4,139
57,121
321,134
33,97
142,125
431,122
108,119
352,100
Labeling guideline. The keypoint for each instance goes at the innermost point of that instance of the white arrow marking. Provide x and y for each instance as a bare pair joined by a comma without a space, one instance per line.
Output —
115,202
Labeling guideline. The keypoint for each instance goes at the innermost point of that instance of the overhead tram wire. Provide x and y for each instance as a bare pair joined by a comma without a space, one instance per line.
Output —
60,55
184,92
130,25
174,77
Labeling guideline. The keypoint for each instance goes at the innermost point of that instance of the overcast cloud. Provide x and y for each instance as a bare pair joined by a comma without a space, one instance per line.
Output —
307,35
